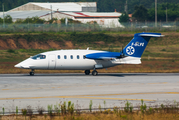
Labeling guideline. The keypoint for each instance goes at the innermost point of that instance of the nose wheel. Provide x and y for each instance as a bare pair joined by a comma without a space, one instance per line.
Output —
94,73
32,72
87,72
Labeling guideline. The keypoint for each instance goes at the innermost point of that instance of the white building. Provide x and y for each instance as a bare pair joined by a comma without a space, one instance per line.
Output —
105,19
62,6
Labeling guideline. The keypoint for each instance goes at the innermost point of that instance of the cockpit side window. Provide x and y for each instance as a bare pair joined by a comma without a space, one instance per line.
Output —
39,56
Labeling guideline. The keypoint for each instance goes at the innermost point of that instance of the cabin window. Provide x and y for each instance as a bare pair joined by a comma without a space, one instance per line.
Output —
65,57
39,56
71,56
84,57
58,56
78,57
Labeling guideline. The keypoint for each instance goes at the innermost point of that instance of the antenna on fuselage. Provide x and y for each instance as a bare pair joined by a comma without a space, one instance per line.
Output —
88,48
122,51
122,54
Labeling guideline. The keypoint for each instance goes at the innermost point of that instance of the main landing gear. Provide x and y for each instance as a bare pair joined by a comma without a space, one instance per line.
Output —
94,73
87,72
32,72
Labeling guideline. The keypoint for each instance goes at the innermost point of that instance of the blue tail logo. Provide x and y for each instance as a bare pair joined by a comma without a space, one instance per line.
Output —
130,50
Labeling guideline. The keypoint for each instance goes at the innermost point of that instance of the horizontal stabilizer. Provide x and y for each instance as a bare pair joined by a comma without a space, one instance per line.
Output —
151,35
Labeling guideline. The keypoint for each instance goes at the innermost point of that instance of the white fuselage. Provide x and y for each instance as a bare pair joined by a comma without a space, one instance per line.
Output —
74,61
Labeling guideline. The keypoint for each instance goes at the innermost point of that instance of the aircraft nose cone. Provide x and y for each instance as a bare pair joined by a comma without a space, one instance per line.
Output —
17,66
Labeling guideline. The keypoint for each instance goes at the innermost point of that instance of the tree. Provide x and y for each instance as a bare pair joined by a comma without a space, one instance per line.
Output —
172,12
69,21
19,21
35,20
1,21
8,19
124,18
140,13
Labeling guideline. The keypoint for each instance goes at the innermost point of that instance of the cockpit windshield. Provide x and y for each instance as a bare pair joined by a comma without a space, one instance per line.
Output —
39,56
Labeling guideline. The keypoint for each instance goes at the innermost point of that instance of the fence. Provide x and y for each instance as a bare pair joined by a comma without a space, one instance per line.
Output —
172,108
79,27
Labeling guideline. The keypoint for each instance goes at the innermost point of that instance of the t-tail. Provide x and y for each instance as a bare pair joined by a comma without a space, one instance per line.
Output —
137,45
131,54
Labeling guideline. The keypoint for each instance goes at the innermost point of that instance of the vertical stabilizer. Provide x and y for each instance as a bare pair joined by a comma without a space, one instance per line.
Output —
137,45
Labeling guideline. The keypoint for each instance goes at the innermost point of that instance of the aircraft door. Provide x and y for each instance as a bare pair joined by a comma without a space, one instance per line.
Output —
52,62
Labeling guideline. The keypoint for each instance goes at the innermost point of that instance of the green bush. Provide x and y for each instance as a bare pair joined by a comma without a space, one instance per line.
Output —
11,51
143,106
128,107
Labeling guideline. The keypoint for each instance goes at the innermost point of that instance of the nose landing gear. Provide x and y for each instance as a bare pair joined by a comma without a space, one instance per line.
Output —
32,72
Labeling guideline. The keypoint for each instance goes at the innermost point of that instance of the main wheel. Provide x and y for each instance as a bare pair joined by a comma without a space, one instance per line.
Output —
31,73
94,73
87,72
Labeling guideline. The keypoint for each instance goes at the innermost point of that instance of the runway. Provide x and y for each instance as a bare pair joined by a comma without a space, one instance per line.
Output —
42,90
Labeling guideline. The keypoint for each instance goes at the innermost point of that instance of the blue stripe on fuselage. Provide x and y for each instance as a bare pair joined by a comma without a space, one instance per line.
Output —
97,56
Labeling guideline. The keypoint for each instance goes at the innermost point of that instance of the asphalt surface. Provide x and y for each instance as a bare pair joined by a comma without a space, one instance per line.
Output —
42,90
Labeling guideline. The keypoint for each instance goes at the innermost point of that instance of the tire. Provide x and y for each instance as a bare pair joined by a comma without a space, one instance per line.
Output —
94,73
31,73
87,72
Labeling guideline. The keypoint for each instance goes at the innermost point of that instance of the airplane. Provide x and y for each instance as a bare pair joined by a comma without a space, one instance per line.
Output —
89,59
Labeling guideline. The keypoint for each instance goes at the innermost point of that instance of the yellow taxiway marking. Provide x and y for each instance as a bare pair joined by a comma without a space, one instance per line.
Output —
22,89
158,83
132,94
5,89
74,97
105,98
97,96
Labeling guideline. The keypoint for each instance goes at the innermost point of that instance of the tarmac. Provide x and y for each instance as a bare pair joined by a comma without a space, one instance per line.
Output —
106,90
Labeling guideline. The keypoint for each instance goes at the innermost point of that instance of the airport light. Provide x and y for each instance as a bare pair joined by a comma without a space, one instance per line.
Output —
155,13
166,16
51,12
3,16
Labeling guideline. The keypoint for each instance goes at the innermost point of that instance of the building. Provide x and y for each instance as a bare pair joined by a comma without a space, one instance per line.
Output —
104,19
62,6
81,11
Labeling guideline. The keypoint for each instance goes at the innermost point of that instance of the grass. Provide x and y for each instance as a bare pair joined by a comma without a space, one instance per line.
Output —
59,112
98,116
